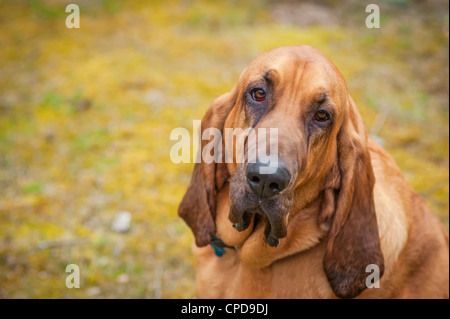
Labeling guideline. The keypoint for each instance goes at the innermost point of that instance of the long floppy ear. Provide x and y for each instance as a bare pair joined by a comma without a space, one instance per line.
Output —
198,207
353,240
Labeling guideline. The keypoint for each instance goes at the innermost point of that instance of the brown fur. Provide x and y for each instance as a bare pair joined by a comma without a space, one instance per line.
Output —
347,205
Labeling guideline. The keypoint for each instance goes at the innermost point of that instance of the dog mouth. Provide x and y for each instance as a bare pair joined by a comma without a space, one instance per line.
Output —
273,210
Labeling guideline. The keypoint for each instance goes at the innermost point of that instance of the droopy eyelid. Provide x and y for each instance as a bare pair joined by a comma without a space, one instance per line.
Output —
258,84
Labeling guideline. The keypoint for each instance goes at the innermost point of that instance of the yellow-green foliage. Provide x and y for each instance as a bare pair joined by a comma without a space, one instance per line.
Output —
86,114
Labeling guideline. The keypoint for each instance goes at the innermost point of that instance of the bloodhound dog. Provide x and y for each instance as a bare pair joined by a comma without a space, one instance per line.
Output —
335,220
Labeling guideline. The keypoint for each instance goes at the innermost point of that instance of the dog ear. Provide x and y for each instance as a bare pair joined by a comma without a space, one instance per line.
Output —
353,240
198,207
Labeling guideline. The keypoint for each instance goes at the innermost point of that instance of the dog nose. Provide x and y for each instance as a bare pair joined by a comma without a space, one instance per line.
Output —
267,185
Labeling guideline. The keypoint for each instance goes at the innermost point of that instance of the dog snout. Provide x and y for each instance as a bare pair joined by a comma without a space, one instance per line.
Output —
267,185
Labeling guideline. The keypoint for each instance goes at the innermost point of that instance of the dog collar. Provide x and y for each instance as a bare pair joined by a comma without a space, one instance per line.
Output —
219,246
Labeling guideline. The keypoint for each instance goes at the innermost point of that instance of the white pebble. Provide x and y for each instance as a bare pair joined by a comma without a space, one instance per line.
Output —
122,222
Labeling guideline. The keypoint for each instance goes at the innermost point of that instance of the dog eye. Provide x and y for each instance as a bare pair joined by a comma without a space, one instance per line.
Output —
258,95
322,116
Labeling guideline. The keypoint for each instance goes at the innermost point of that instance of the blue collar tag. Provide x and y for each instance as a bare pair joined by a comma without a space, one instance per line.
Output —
219,251
219,246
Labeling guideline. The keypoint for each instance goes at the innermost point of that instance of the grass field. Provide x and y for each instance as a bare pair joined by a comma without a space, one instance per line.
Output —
86,115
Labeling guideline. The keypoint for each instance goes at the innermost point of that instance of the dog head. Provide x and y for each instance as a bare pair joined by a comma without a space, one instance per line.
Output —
291,103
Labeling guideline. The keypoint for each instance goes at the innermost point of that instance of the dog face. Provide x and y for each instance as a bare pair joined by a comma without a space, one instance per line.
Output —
302,95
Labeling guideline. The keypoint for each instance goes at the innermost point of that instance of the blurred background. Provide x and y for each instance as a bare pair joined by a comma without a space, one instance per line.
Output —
86,115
